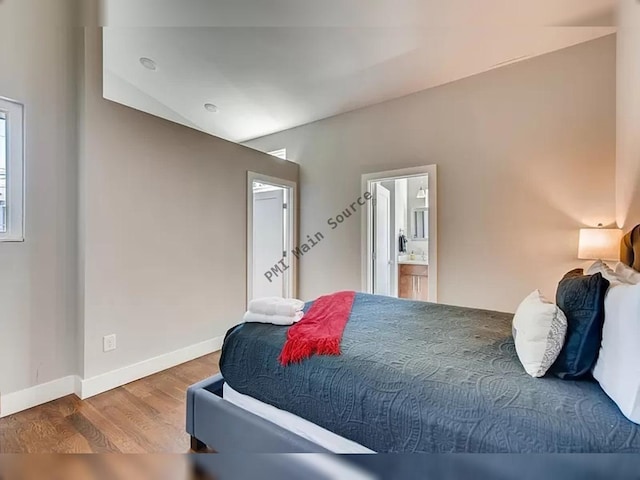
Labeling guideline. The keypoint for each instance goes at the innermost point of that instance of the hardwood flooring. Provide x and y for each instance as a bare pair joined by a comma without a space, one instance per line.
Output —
146,416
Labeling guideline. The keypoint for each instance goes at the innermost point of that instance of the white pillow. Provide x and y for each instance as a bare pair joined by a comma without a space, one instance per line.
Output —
627,273
607,272
618,366
539,329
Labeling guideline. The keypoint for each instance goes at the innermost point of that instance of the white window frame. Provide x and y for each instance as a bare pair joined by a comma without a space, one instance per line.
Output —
14,117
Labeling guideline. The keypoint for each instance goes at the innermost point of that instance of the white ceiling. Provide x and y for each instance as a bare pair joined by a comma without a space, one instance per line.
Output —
270,65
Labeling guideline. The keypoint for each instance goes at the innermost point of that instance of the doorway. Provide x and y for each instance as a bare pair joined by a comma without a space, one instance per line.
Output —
271,234
399,239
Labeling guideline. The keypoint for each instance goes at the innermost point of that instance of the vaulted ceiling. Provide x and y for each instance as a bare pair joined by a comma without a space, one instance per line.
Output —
270,65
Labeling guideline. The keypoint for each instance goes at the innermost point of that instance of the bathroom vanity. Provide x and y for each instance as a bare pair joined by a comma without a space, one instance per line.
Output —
413,278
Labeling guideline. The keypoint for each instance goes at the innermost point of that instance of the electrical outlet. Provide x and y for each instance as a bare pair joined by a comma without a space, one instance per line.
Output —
109,343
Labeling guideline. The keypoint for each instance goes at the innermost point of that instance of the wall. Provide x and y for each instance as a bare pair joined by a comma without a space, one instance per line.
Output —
628,115
38,281
163,235
134,225
525,157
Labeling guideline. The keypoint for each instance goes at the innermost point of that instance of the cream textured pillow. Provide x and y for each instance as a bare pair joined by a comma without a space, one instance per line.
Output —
627,273
539,329
606,271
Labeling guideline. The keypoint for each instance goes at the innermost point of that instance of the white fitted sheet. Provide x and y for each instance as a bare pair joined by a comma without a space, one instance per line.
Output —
304,428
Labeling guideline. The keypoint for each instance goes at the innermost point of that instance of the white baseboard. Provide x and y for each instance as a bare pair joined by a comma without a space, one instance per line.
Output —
85,388
116,378
34,396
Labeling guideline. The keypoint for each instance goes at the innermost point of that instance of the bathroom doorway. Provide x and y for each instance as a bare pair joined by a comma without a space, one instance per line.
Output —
271,234
399,241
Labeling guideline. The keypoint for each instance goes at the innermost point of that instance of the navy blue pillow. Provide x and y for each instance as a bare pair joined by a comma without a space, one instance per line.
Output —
581,298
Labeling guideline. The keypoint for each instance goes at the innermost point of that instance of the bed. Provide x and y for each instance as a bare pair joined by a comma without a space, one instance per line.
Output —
412,377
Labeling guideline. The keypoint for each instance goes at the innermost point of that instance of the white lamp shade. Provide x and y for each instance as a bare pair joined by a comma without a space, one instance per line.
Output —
599,244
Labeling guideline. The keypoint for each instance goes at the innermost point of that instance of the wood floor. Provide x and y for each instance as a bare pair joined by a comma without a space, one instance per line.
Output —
146,416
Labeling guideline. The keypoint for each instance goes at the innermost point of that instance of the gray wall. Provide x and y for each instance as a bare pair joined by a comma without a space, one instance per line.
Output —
164,231
525,155
135,226
628,116
38,283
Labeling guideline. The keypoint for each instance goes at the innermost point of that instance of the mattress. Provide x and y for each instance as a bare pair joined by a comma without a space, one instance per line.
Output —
421,377
293,423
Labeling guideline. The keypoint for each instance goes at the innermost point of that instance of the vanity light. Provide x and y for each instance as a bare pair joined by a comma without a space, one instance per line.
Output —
599,243
422,193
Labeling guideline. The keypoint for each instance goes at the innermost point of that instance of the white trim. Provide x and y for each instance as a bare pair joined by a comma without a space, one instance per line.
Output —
16,148
34,396
367,219
116,378
47,392
292,205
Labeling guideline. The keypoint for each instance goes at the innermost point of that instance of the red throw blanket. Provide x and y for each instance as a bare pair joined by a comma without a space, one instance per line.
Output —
320,330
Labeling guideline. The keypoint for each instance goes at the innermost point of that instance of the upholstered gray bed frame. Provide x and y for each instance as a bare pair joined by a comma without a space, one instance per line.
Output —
219,425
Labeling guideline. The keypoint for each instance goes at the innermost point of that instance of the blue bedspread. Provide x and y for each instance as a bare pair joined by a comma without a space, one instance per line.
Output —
421,377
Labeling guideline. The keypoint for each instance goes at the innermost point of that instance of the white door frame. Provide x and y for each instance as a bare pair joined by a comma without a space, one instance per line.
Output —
367,222
291,195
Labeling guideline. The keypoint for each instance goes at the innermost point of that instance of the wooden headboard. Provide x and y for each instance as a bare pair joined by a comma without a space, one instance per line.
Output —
630,248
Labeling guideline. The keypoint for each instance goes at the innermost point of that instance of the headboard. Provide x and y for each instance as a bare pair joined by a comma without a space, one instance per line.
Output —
630,248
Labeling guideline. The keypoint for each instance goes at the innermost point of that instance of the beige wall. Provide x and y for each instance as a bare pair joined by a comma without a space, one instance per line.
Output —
525,155
134,225
38,282
628,115
164,228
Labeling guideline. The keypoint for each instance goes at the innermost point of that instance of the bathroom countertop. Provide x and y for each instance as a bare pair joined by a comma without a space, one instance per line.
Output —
406,260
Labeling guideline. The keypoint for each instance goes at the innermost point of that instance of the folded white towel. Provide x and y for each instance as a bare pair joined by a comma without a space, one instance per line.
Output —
251,317
286,307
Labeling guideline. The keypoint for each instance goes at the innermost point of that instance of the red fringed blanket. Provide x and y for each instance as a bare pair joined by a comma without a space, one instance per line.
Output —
320,330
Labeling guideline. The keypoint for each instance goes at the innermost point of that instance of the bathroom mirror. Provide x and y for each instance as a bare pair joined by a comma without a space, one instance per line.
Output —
420,223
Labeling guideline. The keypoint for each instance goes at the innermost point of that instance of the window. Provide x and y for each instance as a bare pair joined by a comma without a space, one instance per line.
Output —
11,171
282,153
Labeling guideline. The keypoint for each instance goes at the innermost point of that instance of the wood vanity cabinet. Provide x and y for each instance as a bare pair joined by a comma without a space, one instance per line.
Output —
413,282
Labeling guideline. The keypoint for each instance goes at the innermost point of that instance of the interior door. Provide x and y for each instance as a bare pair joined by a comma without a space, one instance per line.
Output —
381,240
268,243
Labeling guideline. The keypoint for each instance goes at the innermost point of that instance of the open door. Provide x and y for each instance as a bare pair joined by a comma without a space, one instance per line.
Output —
271,235
381,241
400,220
268,242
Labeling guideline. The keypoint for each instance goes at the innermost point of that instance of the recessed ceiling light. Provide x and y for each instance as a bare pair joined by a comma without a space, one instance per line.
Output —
210,107
148,63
